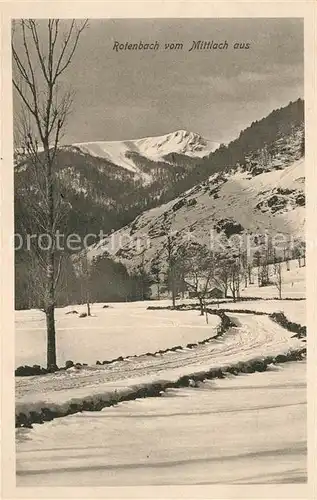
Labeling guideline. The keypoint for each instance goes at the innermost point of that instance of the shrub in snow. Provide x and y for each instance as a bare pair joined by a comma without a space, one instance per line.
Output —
36,418
245,367
28,371
191,345
83,315
21,420
216,373
233,370
69,364
260,365
281,358
75,407
72,312
105,306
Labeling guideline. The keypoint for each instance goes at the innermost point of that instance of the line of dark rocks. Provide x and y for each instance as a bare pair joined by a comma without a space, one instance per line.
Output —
180,307
226,323
299,330
156,389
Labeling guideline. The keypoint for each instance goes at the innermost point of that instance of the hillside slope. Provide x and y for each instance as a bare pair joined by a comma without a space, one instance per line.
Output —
241,201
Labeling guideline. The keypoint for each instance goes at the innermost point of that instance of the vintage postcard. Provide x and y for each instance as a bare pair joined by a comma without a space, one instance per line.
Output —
158,205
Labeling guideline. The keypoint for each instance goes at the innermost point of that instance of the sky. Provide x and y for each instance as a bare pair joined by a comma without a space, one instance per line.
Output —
131,94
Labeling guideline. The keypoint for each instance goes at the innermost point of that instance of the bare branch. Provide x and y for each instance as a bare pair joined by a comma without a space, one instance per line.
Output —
60,68
58,272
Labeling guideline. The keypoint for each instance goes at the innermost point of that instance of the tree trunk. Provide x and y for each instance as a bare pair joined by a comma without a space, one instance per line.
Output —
201,304
51,343
238,287
173,298
250,275
50,274
173,288
88,306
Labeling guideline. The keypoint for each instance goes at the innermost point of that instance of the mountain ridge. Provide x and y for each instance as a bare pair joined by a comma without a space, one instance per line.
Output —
153,148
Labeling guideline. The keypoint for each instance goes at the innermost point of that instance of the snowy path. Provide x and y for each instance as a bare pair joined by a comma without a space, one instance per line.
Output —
294,310
253,337
244,429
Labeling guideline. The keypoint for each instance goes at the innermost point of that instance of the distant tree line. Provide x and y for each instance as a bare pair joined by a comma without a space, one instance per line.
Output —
103,280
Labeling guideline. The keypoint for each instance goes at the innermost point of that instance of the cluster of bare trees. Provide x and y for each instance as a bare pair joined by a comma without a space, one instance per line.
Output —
192,267
196,269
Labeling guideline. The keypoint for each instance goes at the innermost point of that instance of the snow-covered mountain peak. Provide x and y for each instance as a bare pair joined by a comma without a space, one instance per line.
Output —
180,141
152,148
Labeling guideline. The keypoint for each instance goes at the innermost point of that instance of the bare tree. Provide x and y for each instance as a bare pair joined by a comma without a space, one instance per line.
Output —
257,263
156,273
143,276
286,254
83,267
172,262
198,273
234,278
222,275
39,65
278,278
297,254
250,269
304,253
244,264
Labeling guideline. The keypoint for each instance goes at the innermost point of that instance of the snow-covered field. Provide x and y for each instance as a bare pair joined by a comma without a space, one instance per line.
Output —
294,310
126,329
254,337
245,429
293,283
123,329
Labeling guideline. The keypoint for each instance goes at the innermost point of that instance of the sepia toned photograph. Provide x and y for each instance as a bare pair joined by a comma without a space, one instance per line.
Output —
160,251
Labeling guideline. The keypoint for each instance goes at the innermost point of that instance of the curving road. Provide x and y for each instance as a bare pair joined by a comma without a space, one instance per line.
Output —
254,336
